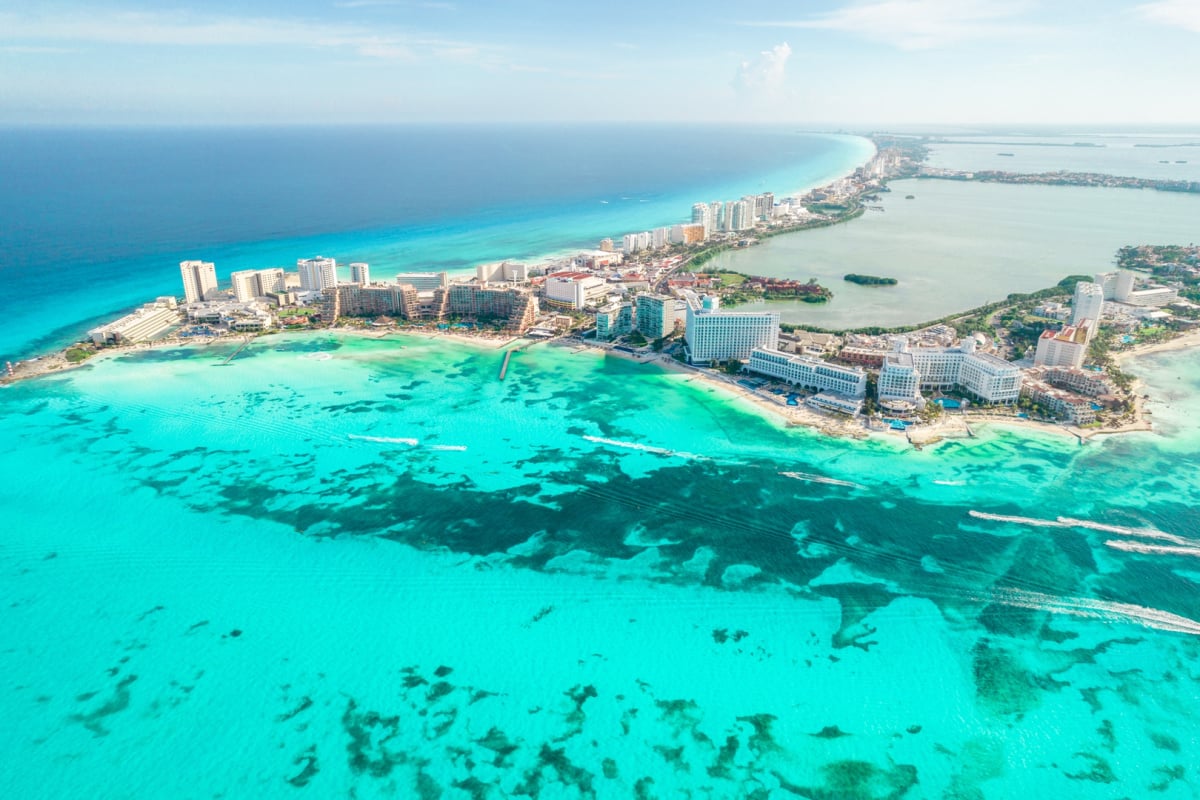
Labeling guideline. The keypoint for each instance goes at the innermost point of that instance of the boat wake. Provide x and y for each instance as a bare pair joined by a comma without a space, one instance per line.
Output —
458,448
951,483
1141,533
805,476
384,439
1070,522
1039,523
645,448
1097,609
1131,546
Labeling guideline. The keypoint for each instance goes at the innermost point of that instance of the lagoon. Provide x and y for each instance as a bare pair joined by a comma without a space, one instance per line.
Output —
957,245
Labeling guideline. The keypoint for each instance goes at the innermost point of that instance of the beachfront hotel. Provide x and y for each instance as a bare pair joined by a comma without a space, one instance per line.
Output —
1063,348
655,315
615,319
810,373
317,274
144,323
199,280
908,370
715,335
360,273
1087,305
424,281
249,284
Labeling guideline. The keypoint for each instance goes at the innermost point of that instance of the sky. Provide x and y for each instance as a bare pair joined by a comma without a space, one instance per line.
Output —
806,62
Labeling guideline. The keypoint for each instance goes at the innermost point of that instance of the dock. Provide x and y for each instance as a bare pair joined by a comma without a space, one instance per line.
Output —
235,353
504,366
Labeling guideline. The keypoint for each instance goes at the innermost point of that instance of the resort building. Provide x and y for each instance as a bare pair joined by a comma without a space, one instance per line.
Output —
1060,403
1063,348
1119,286
317,274
385,299
145,323
1083,381
424,281
574,289
360,273
249,284
502,272
1087,306
517,307
655,315
199,280
827,401
809,372
715,335
614,320
908,370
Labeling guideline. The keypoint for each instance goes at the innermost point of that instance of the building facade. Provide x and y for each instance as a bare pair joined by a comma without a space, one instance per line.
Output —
145,323
715,335
908,370
655,315
614,320
424,281
360,273
249,284
1087,306
1062,348
809,372
317,274
199,280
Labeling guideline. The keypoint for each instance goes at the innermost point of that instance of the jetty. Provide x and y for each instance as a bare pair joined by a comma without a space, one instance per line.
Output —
504,366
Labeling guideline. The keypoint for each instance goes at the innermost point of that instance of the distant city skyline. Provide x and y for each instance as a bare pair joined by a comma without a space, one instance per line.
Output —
821,63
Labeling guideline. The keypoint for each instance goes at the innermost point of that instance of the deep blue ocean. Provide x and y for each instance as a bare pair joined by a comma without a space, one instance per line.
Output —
96,220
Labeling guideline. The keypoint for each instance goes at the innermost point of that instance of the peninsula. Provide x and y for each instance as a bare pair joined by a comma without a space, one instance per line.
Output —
1048,357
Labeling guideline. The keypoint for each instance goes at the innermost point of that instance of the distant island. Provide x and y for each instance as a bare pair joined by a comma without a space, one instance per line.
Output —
869,280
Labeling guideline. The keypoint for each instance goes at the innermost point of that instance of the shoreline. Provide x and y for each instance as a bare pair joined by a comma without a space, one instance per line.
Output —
771,407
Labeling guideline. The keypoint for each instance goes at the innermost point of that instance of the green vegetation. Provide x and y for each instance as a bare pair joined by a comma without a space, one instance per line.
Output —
79,354
869,280
732,367
730,278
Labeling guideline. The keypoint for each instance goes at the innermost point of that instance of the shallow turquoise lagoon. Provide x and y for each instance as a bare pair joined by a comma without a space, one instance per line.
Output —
346,567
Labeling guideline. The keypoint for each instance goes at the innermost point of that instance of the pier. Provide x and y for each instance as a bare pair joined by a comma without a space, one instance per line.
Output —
504,366
235,353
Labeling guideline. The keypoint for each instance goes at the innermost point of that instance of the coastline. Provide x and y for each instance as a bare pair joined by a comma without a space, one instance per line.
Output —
770,407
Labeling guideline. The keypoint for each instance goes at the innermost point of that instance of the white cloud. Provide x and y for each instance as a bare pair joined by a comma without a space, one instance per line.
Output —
185,30
917,24
1176,13
766,74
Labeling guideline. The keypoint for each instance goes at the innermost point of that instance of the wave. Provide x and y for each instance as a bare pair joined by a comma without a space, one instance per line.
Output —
1097,609
951,483
805,476
1164,549
384,439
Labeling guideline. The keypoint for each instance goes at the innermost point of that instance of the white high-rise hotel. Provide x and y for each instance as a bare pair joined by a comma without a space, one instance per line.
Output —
199,280
908,370
251,283
715,335
317,274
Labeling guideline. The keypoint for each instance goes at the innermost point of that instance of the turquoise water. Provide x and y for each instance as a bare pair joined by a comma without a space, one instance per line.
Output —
958,245
342,567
